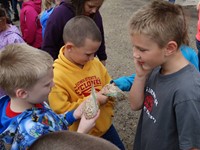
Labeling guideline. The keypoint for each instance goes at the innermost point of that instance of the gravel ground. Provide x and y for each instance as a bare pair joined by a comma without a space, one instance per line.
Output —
116,14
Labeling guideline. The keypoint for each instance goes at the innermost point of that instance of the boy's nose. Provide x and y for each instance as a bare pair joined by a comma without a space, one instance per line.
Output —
136,54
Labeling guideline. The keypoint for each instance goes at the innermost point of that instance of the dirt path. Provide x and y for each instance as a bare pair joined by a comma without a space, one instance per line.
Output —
116,14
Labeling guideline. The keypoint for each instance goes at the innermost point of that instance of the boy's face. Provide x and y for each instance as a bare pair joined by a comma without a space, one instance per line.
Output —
40,91
91,6
146,52
81,55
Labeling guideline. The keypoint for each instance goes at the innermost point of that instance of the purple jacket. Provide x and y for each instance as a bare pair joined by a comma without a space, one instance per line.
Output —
53,39
30,23
9,36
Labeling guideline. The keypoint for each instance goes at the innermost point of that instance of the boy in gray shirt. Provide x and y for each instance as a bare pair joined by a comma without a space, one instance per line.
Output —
166,85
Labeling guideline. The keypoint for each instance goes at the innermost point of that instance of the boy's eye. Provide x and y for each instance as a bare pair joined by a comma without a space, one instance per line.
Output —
139,48
89,55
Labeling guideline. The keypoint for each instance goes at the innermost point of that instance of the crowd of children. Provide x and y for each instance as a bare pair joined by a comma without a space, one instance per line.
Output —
47,72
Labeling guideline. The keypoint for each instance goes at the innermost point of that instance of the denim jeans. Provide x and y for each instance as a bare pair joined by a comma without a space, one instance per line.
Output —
172,1
14,7
112,136
198,48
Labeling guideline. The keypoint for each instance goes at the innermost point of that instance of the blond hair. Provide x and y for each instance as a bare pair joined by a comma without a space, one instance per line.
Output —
161,21
21,66
47,4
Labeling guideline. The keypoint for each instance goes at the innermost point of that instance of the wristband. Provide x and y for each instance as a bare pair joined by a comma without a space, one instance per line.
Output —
70,117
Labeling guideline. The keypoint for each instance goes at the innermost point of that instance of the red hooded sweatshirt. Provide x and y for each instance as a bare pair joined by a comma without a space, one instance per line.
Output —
30,23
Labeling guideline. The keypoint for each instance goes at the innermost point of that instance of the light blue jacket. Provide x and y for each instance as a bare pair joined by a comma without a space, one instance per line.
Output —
43,19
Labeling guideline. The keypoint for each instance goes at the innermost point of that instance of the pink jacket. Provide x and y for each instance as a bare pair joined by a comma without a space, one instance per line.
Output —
30,23
198,27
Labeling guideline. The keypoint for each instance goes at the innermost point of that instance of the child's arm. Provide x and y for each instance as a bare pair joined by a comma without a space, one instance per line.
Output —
190,54
74,115
136,94
125,82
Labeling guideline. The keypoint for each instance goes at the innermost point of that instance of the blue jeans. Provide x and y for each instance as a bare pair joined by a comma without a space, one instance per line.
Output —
172,1
14,7
112,136
198,48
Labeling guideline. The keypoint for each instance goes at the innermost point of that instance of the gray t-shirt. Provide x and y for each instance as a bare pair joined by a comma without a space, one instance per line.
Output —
170,119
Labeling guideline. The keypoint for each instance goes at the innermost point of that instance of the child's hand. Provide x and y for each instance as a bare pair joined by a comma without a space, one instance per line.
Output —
79,111
141,69
101,99
85,125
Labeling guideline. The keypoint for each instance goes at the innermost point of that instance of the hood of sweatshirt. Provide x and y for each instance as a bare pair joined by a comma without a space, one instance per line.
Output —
10,35
36,4
12,29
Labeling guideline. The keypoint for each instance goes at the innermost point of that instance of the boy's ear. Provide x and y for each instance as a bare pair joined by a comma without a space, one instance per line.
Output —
170,48
69,46
21,93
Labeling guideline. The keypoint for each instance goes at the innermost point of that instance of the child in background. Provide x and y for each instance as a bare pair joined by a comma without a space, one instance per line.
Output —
76,70
14,7
30,22
166,85
27,77
198,31
8,33
47,8
63,140
68,9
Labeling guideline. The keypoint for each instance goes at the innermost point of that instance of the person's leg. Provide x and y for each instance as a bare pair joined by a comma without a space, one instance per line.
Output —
112,136
172,1
20,4
16,15
198,48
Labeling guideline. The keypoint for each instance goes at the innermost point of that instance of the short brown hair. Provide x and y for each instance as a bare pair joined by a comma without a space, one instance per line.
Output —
161,21
79,28
22,66
68,140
